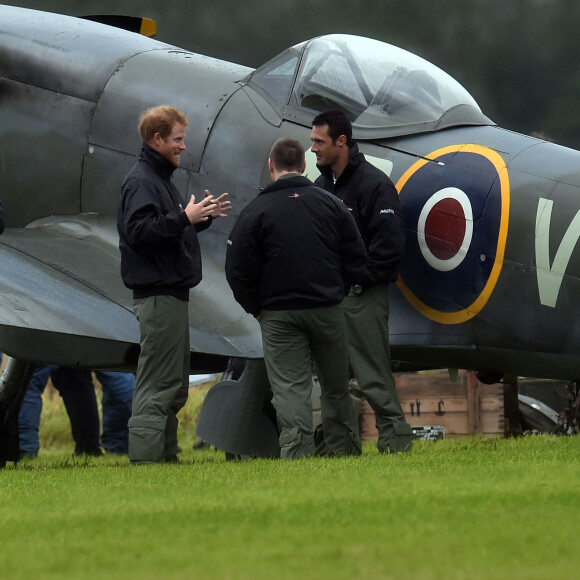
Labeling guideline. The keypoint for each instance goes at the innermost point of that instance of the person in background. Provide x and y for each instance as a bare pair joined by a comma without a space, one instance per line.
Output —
117,403
374,203
76,388
160,263
290,256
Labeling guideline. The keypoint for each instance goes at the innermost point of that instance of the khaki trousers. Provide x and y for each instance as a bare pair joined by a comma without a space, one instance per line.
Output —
162,381
367,321
292,339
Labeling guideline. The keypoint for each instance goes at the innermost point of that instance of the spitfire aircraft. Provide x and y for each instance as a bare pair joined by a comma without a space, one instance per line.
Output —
490,280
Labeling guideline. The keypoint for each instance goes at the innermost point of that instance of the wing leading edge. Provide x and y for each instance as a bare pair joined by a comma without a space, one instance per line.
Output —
62,301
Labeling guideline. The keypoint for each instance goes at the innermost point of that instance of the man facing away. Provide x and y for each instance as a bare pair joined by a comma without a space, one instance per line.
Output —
373,200
290,256
161,262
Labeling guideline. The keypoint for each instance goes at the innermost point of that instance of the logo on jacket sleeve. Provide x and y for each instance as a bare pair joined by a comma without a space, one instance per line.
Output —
456,221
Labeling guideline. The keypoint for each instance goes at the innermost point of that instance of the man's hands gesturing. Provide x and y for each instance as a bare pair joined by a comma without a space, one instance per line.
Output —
207,207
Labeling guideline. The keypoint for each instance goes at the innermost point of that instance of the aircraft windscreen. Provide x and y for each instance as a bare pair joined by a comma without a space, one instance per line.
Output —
376,84
277,75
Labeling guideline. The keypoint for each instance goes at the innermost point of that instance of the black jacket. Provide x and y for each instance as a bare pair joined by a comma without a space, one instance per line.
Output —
160,253
293,247
374,202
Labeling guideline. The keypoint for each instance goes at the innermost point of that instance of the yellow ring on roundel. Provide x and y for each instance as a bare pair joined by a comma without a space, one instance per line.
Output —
475,307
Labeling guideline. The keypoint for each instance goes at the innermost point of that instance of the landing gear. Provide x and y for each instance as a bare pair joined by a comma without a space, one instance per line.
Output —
238,417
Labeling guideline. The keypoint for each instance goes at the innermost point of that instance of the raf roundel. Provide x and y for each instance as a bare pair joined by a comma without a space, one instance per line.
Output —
445,229
456,206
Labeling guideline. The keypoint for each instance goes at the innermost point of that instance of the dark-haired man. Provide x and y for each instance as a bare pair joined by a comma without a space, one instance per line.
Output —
290,256
161,262
373,200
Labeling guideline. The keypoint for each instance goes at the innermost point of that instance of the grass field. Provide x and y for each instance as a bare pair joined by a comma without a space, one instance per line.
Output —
453,509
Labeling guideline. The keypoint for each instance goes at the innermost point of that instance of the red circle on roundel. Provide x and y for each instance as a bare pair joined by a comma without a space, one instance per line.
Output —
445,228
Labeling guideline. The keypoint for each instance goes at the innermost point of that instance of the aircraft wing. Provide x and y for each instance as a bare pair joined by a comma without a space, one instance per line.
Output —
61,297
62,300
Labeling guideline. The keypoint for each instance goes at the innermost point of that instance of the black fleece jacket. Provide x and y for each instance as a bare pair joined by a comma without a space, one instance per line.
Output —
293,247
374,202
160,253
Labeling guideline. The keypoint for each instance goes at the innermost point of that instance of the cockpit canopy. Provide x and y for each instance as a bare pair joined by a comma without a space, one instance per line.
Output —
384,90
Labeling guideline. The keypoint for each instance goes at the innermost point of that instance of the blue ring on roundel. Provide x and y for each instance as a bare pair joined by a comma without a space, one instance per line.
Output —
475,175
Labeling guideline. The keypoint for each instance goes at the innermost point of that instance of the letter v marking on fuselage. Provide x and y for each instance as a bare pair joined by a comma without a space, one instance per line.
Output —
550,278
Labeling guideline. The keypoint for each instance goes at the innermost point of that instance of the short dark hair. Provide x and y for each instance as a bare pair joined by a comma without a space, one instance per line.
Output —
160,120
287,154
338,124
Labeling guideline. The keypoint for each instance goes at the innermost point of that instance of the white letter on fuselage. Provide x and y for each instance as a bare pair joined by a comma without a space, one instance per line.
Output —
550,279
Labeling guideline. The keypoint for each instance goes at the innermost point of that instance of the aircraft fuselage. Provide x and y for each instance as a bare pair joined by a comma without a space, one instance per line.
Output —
490,279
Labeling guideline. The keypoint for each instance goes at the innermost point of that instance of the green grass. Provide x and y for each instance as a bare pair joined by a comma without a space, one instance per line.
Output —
453,509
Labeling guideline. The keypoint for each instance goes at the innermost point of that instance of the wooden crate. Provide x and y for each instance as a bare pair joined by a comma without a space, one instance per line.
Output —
462,407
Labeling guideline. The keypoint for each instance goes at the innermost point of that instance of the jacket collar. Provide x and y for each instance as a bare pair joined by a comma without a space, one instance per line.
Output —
287,182
355,158
156,160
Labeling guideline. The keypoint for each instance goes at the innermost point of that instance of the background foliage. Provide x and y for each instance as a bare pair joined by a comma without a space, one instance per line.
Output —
519,59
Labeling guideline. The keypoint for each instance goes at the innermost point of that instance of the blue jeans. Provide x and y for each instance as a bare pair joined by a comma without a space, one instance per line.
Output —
78,394
29,417
117,405
77,391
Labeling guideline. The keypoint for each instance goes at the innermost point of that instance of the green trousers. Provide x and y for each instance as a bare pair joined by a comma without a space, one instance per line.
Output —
367,321
162,381
292,339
